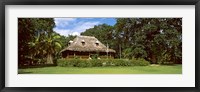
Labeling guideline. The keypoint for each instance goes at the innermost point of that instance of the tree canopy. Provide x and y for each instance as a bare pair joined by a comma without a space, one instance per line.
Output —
37,41
158,40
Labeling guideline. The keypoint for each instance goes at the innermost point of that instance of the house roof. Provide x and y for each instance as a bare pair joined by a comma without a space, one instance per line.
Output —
87,44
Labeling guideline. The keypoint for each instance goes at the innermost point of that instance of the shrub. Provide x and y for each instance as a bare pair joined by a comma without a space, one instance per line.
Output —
165,59
139,62
101,62
83,63
96,62
108,62
116,62
127,63
61,62
168,63
72,62
67,62
94,56
122,62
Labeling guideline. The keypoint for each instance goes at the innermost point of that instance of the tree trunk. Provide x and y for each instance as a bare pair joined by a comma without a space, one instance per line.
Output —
49,59
154,59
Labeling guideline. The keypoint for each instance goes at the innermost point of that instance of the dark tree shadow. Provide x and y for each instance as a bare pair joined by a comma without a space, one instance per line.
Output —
36,66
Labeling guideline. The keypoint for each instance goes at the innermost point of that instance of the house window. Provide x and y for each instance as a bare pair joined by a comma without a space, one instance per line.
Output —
97,43
70,42
83,42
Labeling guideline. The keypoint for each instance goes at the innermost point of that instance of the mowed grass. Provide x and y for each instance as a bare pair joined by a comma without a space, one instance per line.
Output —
160,69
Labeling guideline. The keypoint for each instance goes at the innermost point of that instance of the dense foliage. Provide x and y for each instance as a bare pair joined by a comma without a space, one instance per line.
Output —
101,62
158,40
37,42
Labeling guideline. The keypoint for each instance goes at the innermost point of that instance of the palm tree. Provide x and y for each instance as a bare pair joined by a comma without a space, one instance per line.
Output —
52,46
45,45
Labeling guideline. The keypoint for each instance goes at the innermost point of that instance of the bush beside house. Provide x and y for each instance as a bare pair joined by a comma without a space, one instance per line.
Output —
101,62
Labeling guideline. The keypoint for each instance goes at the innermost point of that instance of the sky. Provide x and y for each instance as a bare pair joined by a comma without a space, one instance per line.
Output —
74,26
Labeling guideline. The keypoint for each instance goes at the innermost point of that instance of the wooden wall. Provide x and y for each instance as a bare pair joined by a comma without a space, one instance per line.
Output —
85,55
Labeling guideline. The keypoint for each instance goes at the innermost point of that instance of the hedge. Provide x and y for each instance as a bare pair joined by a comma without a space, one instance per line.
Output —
101,62
139,62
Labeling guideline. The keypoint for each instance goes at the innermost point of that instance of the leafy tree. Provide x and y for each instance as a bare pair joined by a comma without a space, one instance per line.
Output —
31,33
103,33
154,39
158,40
25,34
52,46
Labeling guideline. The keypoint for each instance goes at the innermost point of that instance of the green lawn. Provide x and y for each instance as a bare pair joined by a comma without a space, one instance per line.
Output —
163,69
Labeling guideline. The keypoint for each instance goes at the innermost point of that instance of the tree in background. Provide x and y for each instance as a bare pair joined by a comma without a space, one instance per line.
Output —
158,40
25,35
36,40
103,33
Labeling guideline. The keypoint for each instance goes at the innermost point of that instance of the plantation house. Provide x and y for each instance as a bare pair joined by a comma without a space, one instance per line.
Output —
87,47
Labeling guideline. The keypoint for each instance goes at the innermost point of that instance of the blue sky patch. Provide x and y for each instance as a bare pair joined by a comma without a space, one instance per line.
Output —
74,26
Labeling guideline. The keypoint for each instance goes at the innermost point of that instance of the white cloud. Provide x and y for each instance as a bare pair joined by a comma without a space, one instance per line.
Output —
77,29
64,32
75,33
63,22
81,27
